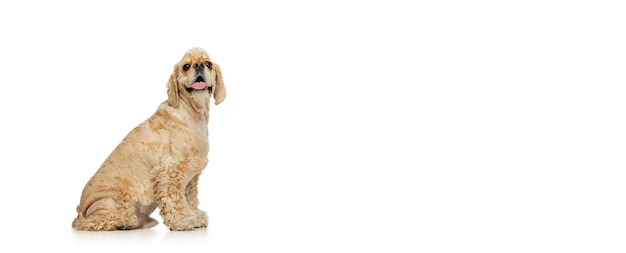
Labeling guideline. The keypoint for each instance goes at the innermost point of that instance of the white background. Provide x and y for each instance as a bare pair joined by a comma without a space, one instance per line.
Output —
349,126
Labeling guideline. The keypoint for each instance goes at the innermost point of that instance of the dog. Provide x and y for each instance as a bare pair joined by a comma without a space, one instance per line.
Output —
159,162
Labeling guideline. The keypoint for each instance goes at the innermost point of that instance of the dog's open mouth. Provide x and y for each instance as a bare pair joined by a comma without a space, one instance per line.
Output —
199,85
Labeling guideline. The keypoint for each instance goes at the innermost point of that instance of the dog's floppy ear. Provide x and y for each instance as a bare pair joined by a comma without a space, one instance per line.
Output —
172,88
219,91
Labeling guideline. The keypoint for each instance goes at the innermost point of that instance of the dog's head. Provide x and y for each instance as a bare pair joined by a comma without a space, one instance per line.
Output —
195,79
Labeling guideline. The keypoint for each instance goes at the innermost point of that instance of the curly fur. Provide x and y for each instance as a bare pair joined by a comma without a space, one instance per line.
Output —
159,162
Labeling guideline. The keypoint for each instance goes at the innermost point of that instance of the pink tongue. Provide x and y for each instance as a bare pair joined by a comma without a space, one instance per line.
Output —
198,85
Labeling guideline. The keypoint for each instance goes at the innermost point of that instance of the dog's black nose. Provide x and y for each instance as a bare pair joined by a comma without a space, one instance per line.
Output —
198,66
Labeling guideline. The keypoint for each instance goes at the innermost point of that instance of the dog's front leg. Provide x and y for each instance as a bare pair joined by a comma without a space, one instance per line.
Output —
191,193
169,187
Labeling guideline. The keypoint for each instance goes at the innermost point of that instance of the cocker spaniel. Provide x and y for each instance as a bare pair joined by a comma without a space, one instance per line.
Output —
158,163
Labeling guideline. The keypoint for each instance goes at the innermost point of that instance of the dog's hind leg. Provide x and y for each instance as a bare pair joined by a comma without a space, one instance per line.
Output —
106,215
101,215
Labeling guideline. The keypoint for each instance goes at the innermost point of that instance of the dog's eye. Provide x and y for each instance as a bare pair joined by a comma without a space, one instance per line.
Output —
186,67
209,65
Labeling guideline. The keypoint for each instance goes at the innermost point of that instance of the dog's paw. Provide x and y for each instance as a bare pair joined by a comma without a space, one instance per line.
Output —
181,222
181,228
202,220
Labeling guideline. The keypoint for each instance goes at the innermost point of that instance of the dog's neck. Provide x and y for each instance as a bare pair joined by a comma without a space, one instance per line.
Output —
195,108
199,106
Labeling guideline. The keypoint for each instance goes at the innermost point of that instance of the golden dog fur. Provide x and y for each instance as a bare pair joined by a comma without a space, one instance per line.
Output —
158,163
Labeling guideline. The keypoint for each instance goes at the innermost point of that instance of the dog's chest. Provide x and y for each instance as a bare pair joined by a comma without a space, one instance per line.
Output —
202,147
198,145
